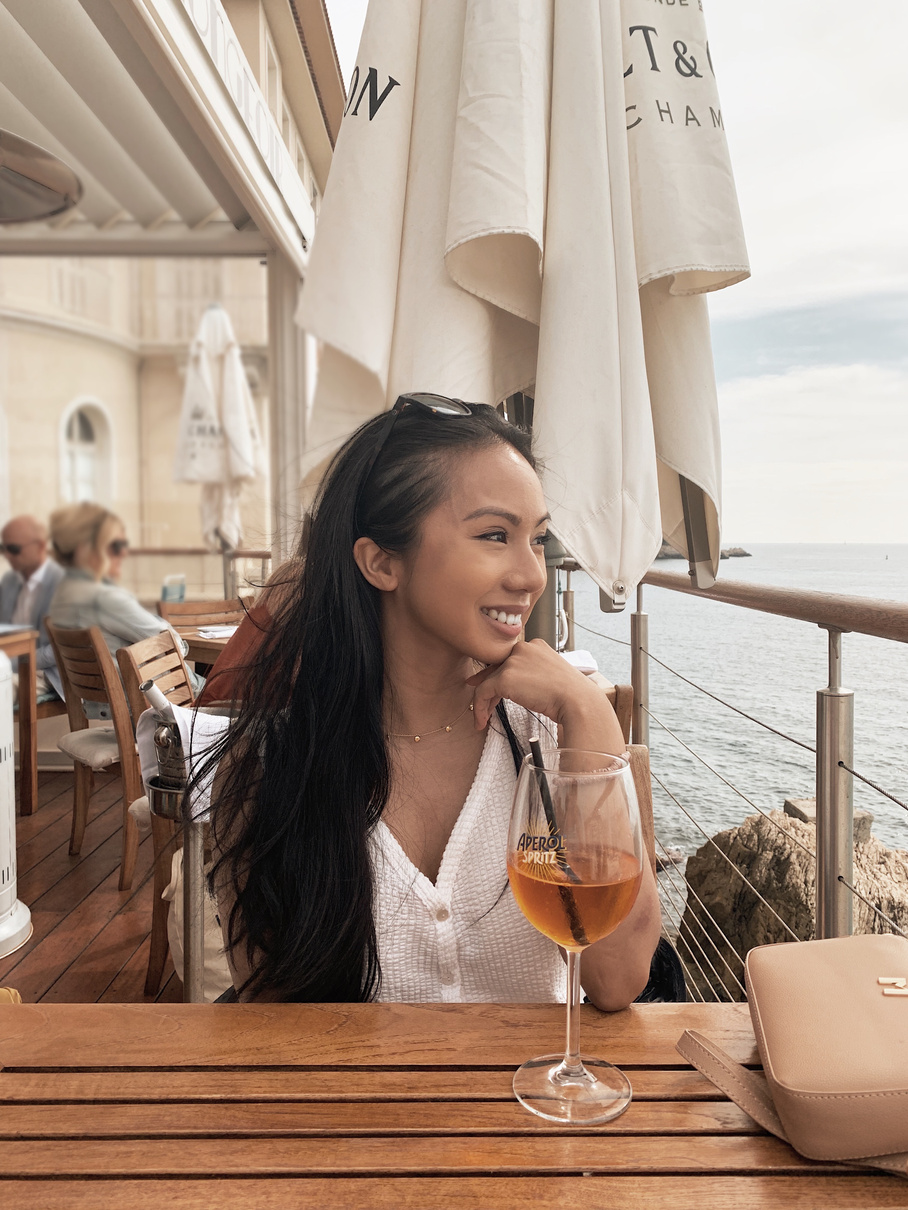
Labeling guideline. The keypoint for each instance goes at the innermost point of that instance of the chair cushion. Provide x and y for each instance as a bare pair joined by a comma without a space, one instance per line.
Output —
94,746
141,813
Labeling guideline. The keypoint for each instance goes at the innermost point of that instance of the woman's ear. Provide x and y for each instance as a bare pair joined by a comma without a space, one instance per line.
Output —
380,567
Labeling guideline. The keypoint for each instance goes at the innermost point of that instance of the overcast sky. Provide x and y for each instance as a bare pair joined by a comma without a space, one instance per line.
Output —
812,351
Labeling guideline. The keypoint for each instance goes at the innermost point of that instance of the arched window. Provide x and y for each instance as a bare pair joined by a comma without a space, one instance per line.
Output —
86,454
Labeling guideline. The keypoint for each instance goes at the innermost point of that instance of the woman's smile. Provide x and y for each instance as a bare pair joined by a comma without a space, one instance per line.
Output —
508,622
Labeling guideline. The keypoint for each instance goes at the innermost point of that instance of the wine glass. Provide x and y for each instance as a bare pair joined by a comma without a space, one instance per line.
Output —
575,864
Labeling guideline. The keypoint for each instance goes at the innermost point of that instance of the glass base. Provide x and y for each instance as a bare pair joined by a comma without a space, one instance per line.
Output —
596,1092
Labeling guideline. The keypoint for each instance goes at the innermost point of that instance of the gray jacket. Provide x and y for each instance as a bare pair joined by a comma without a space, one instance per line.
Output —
10,587
82,601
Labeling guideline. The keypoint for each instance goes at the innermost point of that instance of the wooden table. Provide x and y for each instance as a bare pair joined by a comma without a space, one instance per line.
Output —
21,643
402,1106
201,650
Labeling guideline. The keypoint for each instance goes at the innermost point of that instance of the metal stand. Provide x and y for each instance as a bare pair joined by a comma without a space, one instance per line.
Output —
193,911
640,672
166,798
835,806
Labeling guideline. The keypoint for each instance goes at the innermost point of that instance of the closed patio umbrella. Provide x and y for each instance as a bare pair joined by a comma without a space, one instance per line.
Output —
534,195
219,444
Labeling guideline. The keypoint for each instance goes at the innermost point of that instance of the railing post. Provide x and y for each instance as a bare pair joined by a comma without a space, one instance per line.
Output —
567,611
543,621
835,806
640,672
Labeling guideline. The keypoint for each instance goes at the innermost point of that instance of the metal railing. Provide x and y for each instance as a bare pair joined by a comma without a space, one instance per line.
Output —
208,574
713,962
837,614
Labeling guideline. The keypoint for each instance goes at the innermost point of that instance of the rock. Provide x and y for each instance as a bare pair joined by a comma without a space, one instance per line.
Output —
735,552
669,552
806,809
724,917
671,855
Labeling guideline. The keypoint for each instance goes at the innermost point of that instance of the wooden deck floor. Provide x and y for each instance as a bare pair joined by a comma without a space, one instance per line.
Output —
90,941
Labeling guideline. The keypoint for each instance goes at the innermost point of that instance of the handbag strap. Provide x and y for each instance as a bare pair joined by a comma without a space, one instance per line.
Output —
747,1089
750,1092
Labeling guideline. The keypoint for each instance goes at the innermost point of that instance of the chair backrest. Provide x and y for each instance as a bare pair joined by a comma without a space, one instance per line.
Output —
202,613
638,755
622,699
155,659
89,674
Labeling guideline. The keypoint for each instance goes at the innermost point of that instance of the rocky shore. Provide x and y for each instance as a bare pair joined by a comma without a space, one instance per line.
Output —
724,917
728,552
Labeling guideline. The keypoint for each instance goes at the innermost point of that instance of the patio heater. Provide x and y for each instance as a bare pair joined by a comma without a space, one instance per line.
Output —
15,918
34,185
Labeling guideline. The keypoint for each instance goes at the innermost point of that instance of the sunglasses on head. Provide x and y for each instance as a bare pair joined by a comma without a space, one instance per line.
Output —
435,405
118,547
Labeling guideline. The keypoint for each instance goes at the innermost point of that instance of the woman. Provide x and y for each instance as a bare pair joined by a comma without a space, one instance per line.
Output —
361,819
90,542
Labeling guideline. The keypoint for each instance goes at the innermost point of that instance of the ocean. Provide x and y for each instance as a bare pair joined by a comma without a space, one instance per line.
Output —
770,667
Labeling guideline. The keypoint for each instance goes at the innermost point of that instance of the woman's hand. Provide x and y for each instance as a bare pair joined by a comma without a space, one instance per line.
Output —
539,679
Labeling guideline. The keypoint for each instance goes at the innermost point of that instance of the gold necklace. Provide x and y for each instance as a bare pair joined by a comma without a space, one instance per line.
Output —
449,727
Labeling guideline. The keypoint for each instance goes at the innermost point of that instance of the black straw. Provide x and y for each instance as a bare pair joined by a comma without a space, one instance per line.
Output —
566,894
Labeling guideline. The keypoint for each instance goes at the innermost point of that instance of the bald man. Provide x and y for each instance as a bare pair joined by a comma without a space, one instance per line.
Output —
26,591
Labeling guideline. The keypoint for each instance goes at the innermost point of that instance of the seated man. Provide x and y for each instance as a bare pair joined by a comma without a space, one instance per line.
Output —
26,592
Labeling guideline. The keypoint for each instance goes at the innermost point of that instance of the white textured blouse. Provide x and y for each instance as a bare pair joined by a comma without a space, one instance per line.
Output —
463,937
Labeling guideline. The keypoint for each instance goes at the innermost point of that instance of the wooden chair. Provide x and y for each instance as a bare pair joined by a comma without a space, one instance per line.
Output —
157,659
622,699
192,614
89,674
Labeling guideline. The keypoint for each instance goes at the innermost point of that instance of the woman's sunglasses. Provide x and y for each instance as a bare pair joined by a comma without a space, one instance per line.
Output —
118,547
436,405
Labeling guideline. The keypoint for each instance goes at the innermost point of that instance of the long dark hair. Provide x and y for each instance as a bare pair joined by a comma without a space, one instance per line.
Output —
304,773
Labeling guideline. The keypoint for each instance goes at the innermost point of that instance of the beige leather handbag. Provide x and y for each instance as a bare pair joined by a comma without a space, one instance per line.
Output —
831,1022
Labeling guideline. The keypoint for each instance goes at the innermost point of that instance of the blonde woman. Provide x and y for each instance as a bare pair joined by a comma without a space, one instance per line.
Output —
90,543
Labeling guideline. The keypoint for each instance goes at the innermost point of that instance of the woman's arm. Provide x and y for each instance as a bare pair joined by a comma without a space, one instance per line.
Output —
614,970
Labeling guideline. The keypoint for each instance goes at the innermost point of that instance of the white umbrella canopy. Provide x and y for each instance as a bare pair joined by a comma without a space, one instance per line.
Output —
219,444
534,195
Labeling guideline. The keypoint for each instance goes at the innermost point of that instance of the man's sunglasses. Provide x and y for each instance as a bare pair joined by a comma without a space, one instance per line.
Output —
118,547
16,548
436,405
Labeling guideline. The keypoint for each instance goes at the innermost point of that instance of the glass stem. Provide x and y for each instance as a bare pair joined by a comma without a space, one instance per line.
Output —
572,1062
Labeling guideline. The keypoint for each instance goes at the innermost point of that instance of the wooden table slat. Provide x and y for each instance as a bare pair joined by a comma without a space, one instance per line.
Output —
403,1156
342,1035
327,1119
264,1085
466,1193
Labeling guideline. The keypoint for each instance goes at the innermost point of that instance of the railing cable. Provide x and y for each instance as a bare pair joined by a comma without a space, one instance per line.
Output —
688,889
599,635
725,857
873,907
693,684
685,929
722,702
730,785
873,785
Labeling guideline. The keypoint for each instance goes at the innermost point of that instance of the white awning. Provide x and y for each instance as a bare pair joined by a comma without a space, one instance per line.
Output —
154,106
